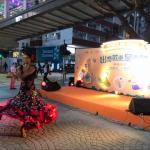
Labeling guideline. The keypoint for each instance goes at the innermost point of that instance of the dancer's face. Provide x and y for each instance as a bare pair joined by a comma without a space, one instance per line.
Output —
26,59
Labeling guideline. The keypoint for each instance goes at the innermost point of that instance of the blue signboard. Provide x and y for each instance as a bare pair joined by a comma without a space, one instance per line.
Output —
49,53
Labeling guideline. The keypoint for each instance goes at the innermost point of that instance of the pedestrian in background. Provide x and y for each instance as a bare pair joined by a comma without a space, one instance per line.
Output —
39,68
50,68
5,66
46,71
13,80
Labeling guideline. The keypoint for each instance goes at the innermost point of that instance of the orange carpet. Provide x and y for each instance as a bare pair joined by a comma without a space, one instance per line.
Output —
106,104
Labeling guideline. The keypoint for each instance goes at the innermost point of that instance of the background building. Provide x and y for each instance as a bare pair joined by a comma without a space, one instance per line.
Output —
91,34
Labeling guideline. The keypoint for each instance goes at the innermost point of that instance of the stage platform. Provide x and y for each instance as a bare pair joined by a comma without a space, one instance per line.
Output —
106,104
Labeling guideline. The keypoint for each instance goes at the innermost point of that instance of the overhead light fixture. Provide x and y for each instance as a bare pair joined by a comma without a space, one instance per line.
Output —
73,46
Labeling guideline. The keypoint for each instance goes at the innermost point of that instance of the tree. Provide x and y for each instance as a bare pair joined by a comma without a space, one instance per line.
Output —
146,15
134,5
139,6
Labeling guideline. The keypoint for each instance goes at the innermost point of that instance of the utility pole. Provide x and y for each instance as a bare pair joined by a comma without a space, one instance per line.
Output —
64,72
1,62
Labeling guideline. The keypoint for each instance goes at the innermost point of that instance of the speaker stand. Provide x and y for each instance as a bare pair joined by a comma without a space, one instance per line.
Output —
142,120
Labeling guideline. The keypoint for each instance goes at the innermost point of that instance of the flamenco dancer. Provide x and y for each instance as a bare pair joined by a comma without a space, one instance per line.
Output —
27,105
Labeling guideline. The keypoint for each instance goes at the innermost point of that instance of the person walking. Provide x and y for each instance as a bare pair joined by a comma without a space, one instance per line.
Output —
39,68
27,106
13,80
5,66
46,71
50,68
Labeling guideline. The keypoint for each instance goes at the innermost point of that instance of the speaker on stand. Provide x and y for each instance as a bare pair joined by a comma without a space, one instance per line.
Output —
50,86
140,106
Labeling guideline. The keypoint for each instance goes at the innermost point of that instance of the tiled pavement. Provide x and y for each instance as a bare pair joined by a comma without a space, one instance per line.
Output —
74,129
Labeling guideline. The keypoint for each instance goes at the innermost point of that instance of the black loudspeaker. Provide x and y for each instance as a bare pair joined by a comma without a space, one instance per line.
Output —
139,106
52,86
71,81
79,83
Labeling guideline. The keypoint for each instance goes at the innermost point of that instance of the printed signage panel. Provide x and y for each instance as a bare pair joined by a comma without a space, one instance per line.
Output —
118,66
49,53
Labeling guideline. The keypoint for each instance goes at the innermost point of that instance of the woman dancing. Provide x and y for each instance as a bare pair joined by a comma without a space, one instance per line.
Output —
27,105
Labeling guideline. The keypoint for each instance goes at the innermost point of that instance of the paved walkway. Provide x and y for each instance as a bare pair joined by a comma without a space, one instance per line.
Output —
74,129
